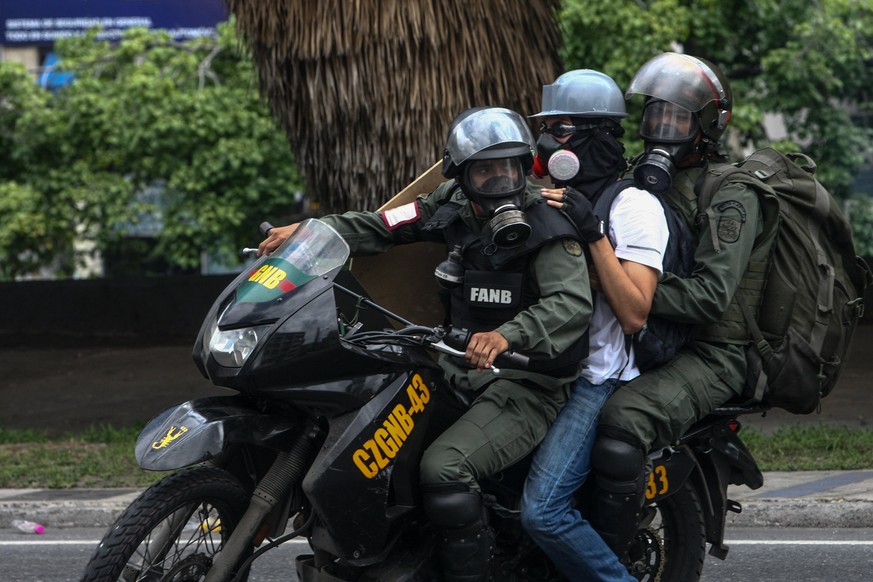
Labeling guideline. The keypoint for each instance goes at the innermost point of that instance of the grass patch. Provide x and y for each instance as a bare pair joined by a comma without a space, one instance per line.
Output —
103,456
811,448
99,457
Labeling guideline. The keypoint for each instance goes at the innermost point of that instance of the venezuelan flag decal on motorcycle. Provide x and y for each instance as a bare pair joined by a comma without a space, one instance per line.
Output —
271,280
386,441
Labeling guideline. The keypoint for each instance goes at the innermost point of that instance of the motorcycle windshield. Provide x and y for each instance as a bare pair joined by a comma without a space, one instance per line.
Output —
313,250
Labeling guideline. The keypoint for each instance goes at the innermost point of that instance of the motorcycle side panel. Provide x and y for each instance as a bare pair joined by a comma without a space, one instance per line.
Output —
199,430
366,475
669,472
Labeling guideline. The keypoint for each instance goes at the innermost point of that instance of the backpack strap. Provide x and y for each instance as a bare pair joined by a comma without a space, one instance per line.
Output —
602,207
602,203
825,299
765,350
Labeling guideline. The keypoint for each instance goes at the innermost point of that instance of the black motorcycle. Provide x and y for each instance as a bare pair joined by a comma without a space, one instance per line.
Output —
333,408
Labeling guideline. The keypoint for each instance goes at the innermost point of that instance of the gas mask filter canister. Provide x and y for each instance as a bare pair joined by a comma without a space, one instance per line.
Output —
563,165
509,227
655,171
561,162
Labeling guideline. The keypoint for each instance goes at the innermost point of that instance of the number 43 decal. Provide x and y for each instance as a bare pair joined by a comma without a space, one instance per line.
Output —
658,484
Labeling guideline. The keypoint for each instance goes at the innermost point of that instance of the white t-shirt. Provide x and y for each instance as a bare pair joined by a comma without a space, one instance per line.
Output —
638,232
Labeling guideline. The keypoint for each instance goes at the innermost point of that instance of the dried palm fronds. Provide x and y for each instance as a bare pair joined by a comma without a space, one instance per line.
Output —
365,90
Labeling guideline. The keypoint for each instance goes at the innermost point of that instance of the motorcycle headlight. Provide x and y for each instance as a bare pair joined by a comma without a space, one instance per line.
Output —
232,348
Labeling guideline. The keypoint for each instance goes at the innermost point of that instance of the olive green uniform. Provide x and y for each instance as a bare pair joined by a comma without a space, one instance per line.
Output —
656,408
513,410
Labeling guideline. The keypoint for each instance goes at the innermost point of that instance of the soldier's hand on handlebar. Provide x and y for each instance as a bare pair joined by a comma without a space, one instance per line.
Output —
276,236
484,347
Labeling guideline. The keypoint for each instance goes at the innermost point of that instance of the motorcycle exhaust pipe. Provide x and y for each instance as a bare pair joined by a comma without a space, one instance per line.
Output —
287,469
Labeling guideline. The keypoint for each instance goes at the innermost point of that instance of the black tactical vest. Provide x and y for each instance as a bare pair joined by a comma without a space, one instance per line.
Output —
496,283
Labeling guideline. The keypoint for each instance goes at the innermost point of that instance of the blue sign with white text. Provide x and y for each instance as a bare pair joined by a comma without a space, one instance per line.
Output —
29,22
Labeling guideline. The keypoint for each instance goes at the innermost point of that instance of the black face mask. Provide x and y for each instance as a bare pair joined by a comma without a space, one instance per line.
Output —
585,162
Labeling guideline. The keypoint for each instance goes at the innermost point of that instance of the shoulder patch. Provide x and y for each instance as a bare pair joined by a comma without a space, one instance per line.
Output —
729,229
732,216
572,247
396,217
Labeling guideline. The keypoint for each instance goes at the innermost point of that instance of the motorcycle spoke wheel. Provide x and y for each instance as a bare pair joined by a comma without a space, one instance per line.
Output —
671,548
173,531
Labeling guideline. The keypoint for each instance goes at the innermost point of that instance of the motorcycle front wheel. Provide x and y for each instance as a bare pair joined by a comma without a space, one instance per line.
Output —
671,546
173,531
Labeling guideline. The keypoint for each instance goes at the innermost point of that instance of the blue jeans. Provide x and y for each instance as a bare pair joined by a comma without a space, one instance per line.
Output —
560,466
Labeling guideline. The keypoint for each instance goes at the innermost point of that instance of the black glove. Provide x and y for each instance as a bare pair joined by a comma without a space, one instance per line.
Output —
578,209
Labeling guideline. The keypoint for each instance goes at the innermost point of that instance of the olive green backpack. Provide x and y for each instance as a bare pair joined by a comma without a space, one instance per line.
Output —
814,290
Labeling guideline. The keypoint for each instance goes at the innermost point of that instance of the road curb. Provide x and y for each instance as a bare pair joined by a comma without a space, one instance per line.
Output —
835,513
781,513
63,513
65,507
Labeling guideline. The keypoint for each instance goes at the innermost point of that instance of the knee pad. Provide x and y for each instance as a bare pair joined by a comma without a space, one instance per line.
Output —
452,505
619,469
617,461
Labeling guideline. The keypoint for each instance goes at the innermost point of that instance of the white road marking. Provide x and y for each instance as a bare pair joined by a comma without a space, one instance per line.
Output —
45,542
304,542
799,542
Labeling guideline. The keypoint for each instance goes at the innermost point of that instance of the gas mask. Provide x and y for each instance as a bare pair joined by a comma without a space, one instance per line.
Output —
592,155
669,132
561,164
497,186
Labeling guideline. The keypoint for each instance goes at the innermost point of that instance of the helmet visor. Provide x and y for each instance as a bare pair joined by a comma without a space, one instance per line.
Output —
665,122
495,178
501,132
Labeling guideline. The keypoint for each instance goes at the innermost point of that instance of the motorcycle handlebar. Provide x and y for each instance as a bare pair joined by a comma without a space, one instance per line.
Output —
512,359
459,338
265,228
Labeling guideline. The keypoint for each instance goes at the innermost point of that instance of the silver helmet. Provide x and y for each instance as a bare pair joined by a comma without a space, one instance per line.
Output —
583,93
484,133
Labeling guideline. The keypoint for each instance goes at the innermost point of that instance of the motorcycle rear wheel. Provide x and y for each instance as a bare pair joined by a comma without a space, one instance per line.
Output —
672,547
173,531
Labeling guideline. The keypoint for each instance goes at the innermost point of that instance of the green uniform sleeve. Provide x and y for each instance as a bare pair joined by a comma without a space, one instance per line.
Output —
367,234
551,325
725,241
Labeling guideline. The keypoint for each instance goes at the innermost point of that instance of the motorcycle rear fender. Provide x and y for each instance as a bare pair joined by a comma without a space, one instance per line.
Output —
199,430
722,460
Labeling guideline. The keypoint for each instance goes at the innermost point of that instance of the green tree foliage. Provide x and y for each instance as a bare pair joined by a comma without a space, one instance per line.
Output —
148,114
809,60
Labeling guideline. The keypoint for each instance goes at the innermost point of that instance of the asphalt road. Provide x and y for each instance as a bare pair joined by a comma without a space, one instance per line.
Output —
759,554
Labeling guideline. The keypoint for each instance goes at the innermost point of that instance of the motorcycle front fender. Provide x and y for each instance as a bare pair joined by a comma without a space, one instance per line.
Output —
199,430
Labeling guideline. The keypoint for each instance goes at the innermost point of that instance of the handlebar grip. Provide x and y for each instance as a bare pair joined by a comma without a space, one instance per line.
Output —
265,228
458,338
512,360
